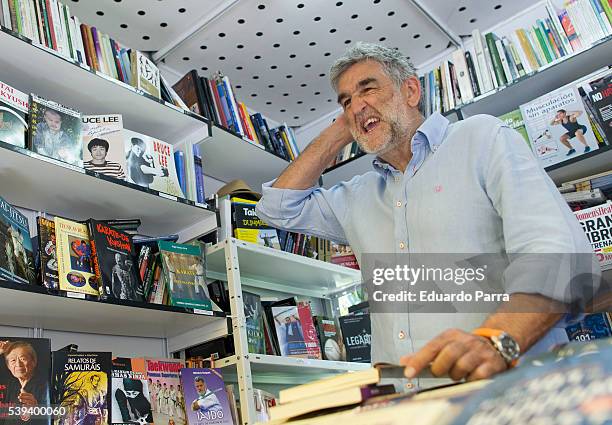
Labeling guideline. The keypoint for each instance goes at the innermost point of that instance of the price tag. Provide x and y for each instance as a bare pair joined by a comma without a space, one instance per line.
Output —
201,205
77,295
204,312
165,195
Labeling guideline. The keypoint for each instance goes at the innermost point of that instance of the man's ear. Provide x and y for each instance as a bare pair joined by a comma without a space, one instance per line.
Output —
411,90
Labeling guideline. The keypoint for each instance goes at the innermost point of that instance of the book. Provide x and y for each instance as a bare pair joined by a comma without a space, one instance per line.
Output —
25,367
601,99
81,384
14,106
248,227
16,251
206,399
48,253
253,313
597,224
144,74
357,337
590,327
558,126
113,261
343,255
103,145
74,265
290,332
313,348
131,401
264,401
514,120
184,270
165,384
329,338
55,131
191,92
150,163
581,199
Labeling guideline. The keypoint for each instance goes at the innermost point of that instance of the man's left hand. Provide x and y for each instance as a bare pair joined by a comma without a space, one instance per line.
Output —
457,354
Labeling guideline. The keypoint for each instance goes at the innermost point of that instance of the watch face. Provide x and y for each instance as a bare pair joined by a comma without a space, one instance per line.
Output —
507,347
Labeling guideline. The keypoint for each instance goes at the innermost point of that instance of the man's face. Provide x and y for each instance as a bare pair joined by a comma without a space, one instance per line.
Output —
561,115
98,153
200,387
20,363
118,258
132,393
95,380
53,120
137,150
375,107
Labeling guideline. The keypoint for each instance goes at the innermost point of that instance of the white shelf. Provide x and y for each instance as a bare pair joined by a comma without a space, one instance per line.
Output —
288,370
36,69
31,307
39,183
227,157
591,163
269,268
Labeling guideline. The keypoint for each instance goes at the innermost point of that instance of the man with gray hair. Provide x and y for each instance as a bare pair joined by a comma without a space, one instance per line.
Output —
468,187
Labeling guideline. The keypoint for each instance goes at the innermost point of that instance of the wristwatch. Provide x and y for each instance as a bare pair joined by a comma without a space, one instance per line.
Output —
507,347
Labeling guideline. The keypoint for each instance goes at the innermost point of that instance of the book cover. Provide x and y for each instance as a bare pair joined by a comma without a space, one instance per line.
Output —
75,269
289,331
48,253
357,337
167,396
590,327
597,224
14,107
313,349
558,126
184,269
343,255
329,338
55,131
190,91
150,163
16,253
514,120
131,402
81,384
25,378
253,313
145,74
103,145
113,258
601,99
206,399
248,227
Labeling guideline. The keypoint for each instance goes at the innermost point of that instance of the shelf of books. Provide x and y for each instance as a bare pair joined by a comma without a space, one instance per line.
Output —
62,189
273,269
288,370
34,68
237,157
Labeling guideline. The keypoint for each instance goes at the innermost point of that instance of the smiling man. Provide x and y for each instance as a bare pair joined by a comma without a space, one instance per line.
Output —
469,187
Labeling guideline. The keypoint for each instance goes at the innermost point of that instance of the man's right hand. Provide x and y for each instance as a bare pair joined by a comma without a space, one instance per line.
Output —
338,133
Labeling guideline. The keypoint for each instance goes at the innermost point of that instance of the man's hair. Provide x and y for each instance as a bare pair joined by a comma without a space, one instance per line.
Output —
562,110
397,66
137,141
199,379
97,142
21,344
53,111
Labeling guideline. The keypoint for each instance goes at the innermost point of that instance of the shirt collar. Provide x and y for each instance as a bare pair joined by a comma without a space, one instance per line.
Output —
431,133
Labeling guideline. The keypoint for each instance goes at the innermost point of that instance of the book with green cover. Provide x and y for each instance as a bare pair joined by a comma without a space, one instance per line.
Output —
496,59
514,120
543,45
185,273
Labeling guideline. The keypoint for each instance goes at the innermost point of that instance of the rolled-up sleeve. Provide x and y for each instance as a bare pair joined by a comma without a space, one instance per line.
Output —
314,211
549,252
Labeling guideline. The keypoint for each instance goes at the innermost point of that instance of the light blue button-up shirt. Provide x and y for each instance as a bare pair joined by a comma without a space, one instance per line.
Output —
471,187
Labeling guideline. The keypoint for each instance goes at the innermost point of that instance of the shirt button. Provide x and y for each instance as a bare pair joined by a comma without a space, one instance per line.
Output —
396,178
402,245
401,335
398,204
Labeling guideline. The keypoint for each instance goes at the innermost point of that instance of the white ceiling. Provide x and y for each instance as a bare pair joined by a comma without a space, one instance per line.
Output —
277,53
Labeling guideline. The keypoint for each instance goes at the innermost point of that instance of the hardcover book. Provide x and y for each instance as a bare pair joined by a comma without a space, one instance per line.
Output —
356,334
113,260
253,313
16,254
82,385
167,396
558,126
131,402
150,163
48,253
103,145
248,227
145,75
55,131
329,338
206,399
74,265
25,371
14,107
185,273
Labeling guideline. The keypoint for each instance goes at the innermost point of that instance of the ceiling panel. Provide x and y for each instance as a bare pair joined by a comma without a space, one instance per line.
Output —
147,25
277,53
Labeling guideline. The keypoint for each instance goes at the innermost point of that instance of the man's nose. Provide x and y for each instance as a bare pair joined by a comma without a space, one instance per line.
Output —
357,104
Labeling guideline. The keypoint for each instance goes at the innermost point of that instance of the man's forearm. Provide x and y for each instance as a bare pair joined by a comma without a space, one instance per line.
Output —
526,318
